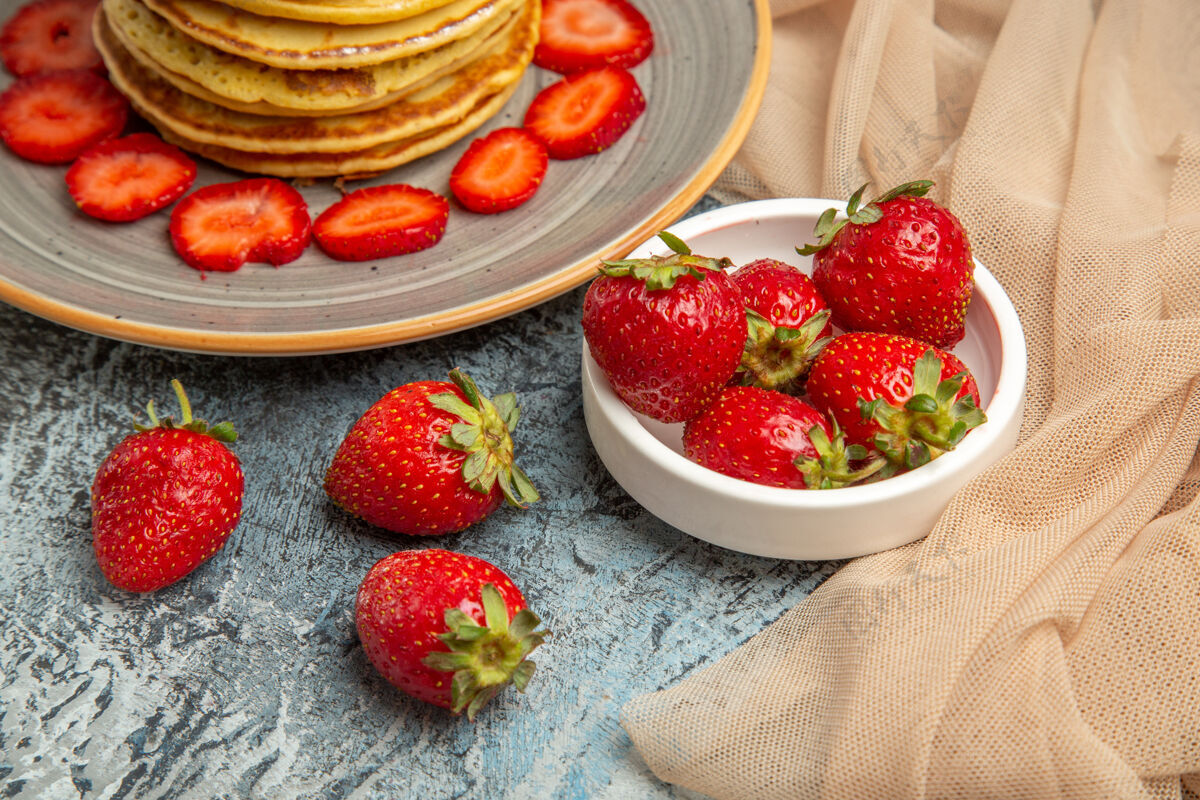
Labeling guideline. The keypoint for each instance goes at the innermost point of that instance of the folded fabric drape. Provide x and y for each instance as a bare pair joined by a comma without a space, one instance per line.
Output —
1044,640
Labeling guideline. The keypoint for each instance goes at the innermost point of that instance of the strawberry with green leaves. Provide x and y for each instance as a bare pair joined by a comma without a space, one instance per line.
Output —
450,629
900,264
787,321
771,438
667,331
909,400
165,500
430,457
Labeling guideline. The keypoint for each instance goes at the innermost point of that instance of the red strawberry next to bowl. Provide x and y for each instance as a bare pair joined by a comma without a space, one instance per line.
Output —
910,400
667,331
447,628
430,457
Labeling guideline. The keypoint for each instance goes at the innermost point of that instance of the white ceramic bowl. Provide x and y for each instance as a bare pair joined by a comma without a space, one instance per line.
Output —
646,457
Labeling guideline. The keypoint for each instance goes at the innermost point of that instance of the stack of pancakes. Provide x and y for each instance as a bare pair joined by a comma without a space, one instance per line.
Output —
313,88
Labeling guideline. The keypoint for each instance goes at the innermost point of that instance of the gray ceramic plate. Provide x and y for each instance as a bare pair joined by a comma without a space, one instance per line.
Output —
703,85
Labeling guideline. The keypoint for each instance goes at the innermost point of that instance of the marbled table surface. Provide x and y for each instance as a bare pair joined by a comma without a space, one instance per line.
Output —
246,679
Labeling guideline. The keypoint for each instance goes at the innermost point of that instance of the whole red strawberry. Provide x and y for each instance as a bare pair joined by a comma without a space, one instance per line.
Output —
911,401
667,331
788,323
774,439
900,264
165,500
446,628
430,457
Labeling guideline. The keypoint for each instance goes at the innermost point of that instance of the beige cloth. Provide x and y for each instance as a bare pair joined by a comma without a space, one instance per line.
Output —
1044,640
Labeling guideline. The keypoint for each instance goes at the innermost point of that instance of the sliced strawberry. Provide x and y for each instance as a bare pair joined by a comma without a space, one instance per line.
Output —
499,171
126,179
382,221
52,117
222,226
585,112
583,34
49,35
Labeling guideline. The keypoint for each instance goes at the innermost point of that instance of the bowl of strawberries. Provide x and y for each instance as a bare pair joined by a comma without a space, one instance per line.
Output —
793,379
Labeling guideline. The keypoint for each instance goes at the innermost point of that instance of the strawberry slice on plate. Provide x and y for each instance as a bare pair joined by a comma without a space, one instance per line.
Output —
52,117
125,179
583,34
382,221
585,112
50,35
499,171
222,226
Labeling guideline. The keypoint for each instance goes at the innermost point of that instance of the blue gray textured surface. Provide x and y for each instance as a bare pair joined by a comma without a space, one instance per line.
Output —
245,679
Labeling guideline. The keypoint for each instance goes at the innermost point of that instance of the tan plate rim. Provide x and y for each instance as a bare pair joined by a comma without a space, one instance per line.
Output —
416,328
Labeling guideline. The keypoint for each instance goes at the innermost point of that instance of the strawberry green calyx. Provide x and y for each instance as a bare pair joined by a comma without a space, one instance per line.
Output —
833,468
777,357
930,423
828,224
661,272
222,431
484,434
485,659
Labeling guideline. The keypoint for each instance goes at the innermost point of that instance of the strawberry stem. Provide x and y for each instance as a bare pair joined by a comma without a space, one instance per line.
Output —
661,272
930,423
828,225
778,357
222,431
484,434
833,468
485,659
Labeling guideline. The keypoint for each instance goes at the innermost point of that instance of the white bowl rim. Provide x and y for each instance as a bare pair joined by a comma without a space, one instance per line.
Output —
1005,403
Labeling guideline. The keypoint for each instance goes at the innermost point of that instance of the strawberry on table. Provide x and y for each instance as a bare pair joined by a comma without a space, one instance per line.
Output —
771,438
128,178
499,171
165,500
224,225
585,112
450,629
900,264
50,35
52,117
430,457
667,331
582,34
910,400
788,322
381,221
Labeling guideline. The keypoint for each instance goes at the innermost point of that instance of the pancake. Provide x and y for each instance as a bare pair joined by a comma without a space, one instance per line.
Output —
295,44
242,85
357,164
441,112
339,12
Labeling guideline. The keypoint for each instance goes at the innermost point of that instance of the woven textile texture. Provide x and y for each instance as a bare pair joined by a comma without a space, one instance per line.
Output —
1043,641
